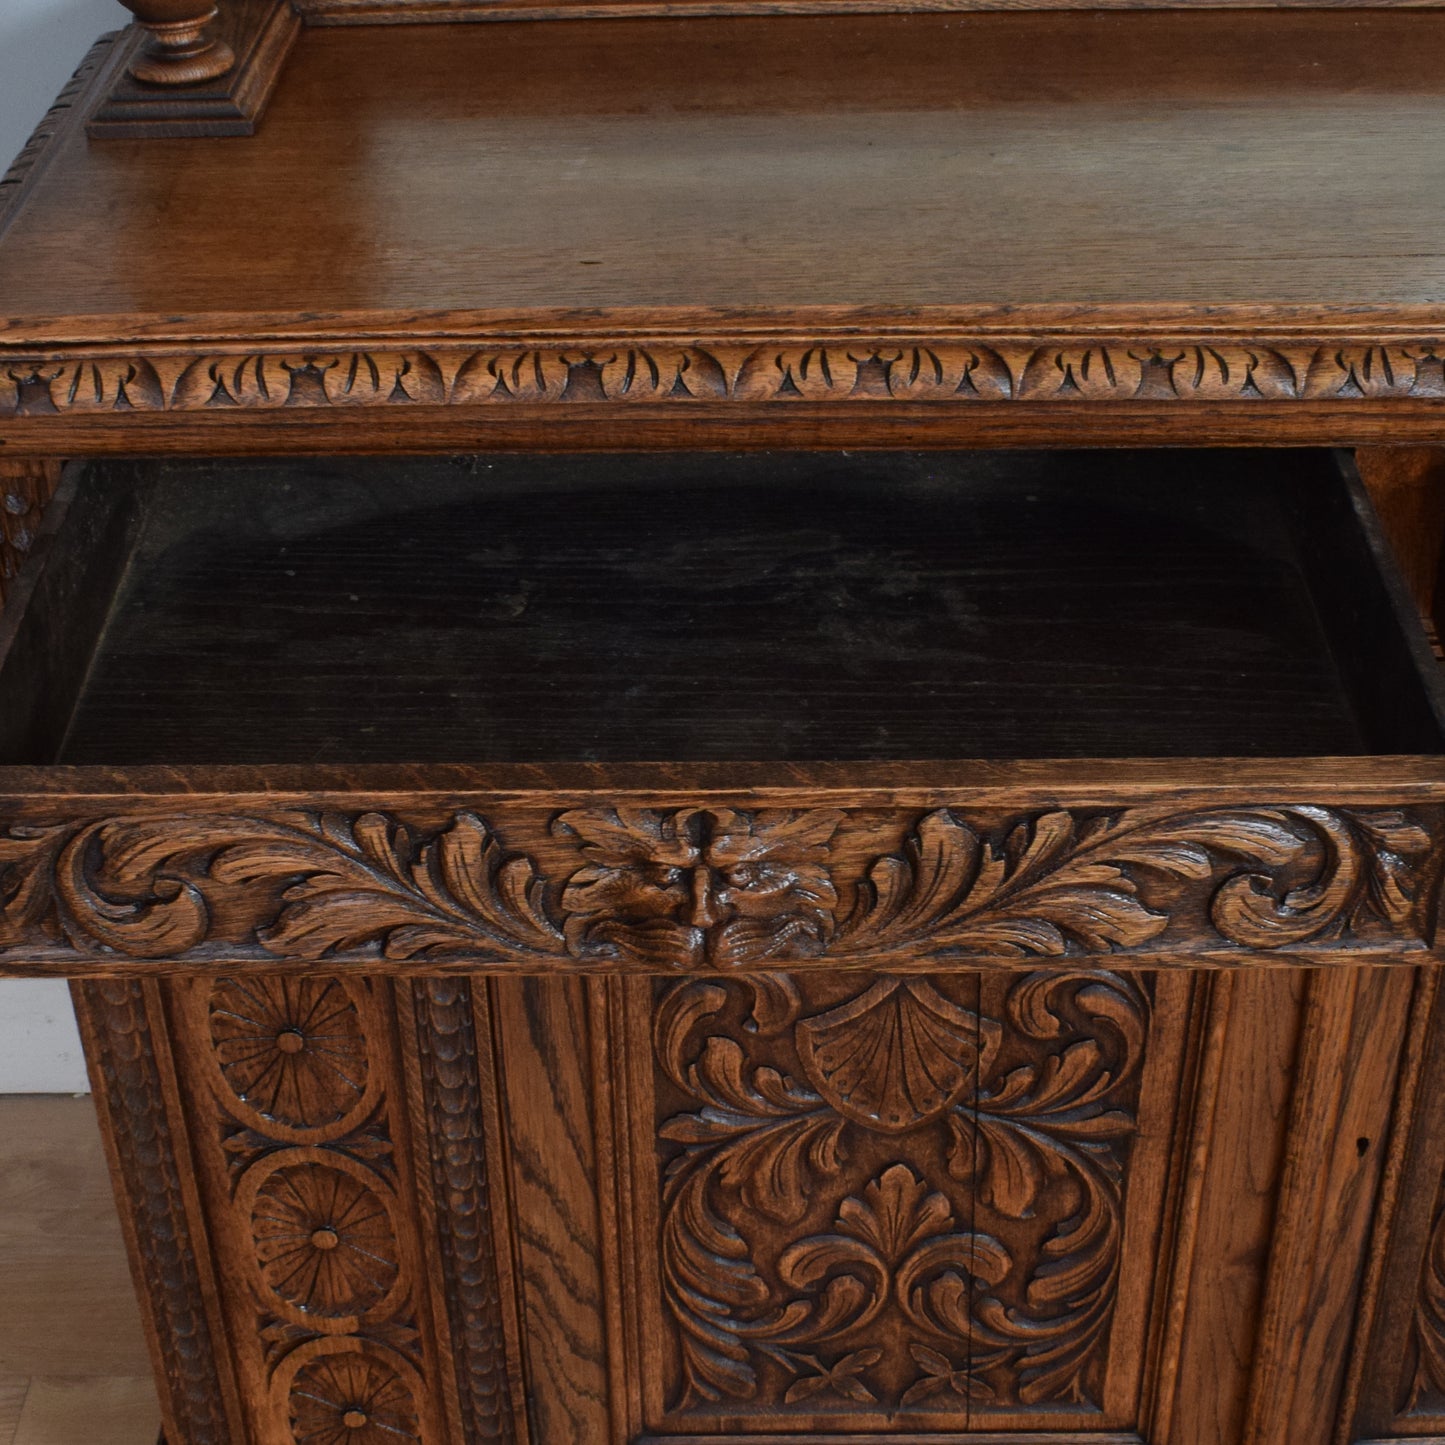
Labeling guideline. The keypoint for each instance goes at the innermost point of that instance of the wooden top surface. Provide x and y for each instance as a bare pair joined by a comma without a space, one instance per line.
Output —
901,169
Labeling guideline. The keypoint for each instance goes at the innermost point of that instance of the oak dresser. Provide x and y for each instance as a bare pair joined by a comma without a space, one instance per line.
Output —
726,711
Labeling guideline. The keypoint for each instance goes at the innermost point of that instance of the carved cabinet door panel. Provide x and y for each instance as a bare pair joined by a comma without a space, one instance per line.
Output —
861,1204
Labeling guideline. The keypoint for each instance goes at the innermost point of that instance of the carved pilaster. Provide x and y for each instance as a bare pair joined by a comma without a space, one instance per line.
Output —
452,1102
167,1257
303,1161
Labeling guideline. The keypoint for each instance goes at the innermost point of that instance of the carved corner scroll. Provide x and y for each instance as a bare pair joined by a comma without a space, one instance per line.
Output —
653,889
728,372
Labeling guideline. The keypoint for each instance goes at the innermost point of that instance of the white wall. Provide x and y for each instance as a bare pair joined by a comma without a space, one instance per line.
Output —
41,43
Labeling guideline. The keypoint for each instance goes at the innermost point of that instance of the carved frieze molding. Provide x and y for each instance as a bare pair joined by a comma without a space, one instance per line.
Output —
636,889
953,370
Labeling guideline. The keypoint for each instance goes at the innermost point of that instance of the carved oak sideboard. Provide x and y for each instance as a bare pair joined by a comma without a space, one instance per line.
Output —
716,728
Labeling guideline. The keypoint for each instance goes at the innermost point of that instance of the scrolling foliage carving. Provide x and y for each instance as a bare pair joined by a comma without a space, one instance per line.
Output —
934,370
888,1199
694,888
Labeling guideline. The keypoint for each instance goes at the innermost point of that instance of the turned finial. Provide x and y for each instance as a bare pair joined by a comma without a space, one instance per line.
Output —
181,47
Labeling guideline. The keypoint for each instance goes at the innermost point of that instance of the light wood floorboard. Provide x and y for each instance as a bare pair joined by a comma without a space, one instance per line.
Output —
73,1361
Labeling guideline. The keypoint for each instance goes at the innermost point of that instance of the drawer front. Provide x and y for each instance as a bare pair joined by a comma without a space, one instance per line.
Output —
828,878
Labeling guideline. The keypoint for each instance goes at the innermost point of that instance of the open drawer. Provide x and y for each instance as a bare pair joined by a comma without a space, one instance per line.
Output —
694,711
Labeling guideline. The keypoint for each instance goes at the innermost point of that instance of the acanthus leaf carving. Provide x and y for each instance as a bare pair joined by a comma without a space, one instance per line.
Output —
716,887
773,1313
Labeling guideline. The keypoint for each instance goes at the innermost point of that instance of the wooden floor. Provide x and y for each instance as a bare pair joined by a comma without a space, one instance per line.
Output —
73,1363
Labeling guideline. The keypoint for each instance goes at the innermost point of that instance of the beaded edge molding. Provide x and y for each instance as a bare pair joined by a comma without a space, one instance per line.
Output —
63,114
729,373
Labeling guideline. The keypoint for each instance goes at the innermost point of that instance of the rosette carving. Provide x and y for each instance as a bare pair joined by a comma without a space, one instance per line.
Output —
293,1052
715,887
302,1175
353,1393
324,1237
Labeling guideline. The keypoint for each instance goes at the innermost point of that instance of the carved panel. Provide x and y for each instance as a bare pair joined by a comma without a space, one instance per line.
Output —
303,1159
640,889
732,373
898,1200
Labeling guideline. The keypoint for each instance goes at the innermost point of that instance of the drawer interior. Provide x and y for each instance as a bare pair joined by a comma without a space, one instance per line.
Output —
748,607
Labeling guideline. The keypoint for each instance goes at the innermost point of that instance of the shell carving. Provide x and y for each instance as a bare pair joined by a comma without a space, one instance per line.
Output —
895,1057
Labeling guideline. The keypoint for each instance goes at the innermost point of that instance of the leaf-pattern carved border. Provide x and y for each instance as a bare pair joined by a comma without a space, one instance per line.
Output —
639,889
725,372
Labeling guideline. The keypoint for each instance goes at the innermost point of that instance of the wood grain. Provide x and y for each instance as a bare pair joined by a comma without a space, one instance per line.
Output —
406,12
542,1030
1231,293
891,123
1407,487
1342,1105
